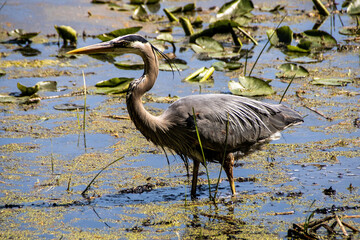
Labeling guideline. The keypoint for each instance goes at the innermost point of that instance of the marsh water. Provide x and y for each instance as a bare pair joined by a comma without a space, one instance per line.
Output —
48,157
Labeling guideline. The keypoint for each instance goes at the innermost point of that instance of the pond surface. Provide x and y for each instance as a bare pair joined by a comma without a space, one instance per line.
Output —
47,159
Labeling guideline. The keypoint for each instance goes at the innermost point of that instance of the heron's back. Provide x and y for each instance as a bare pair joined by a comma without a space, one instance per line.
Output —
249,121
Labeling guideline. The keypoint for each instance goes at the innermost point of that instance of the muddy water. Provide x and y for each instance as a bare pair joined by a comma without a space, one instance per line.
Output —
47,159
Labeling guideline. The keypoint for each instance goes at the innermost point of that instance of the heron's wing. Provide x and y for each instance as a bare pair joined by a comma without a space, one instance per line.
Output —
249,121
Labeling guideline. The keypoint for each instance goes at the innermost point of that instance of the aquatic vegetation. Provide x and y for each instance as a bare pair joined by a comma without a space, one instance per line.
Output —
145,194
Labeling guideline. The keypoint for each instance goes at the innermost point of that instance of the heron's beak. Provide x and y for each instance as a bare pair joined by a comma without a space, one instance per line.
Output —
103,47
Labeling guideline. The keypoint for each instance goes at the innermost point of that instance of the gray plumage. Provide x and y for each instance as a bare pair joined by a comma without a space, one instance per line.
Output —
250,123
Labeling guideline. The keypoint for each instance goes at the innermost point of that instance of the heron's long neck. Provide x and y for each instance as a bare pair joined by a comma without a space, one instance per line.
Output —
143,120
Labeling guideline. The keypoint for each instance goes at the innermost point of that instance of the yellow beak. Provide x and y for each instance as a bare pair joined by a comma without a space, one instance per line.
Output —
103,47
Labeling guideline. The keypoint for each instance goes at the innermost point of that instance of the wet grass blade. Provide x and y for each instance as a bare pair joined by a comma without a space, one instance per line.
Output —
246,60
287,88
262,50
247,35
203,154
78,118
308,218
84,117
91,182
52,157
224,156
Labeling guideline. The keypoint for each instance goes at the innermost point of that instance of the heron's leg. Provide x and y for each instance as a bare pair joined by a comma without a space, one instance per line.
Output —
228,167
195,178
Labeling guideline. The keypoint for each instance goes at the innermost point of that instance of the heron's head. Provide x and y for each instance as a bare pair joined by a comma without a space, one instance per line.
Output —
131,43
124,44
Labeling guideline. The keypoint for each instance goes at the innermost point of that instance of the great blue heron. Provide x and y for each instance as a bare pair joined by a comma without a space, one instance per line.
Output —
250,122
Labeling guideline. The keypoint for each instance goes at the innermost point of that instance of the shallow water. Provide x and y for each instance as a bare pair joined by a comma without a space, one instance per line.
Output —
43,150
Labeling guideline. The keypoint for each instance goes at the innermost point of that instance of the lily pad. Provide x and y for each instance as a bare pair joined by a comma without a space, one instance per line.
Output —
226,66
113,82
144,1
331,81
235,8
187,8
201,75
291,69
353,7
170,16
167,37
206,45
141,14
224,56
302,59
129,65
27,91
69,107
2,72
220,26
277,8
67,33
22,36
349,31
17,100
179,66
113,86
186,25
250,86
117,33
47,86
318,39
297,49
281,36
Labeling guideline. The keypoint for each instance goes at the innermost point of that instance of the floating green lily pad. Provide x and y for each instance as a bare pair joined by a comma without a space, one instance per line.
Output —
170,16
177,66
353,7
281,36
2,72
277,8
303,59
250,86
349,31
117,33
69,107
201,75
235,8
331,81
22,35
17,100
27,91
226,66
186,25
113,86
129,65
207,44
291,69
47,86
67,33
297,49
113,82
225,55
187,8
141,14
318,39
167,37
144,1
